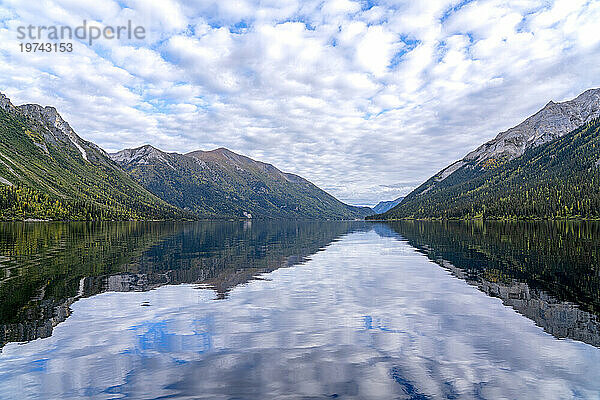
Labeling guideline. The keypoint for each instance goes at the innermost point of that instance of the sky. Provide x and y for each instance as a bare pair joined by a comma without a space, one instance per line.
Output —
366,99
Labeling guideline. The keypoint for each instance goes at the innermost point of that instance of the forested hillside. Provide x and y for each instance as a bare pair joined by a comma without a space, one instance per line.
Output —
223,184
557,180
48,172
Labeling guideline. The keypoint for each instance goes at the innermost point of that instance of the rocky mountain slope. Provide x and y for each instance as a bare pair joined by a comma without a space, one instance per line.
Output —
498,156
223,184
557,180
551,122
48,172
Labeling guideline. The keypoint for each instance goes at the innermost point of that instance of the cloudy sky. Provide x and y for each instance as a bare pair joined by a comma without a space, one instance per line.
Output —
364,98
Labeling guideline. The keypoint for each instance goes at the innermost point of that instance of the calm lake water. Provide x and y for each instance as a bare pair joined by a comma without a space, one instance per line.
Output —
234,310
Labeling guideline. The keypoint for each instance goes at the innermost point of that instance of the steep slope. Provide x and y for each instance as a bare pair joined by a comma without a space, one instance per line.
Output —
48,172
384,206
559,179
223,184
553,121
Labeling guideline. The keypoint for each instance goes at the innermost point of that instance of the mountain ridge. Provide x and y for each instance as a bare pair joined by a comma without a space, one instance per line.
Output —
552,121
549,124
542,127
49,172
220,183
557,180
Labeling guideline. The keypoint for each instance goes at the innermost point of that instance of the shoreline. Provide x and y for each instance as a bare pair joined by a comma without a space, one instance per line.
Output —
487,219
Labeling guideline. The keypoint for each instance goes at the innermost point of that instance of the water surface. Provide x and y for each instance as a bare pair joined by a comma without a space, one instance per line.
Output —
299,310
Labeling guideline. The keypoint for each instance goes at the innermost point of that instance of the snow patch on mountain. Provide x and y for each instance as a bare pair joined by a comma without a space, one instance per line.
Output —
60,128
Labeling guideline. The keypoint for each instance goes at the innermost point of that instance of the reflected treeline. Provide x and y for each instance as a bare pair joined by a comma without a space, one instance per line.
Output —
46,267
223,255
547,271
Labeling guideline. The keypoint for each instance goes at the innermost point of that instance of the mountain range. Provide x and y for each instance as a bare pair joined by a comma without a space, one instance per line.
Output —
547,167
544,168
48,172
223,184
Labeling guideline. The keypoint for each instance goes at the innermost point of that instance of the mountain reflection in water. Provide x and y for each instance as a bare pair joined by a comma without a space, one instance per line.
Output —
547,271
369,316
45,268
211,311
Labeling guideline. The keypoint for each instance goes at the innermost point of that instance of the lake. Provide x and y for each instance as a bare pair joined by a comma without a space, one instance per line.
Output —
256,310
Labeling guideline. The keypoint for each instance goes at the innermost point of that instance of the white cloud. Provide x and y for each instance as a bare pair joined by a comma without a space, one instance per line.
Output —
375,50
364,102
337,7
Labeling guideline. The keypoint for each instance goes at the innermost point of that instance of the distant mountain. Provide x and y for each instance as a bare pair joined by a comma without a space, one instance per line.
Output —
223,184
384,206
529,171
48,172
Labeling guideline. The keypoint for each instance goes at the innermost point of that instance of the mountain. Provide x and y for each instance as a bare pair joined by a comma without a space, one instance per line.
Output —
536,161
223,184
384,206
48,172
559,179
551,122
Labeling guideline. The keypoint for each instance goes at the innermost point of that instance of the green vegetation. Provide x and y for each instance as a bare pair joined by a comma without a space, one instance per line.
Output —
42,263
561,258
558,180
47,172
223,184
44,268
45,177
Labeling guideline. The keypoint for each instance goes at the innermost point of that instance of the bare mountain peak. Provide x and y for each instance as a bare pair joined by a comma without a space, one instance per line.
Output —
218,151
54,128
145,154
223,154
588,94
45,114
551,122
48,113
223,150
149,148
